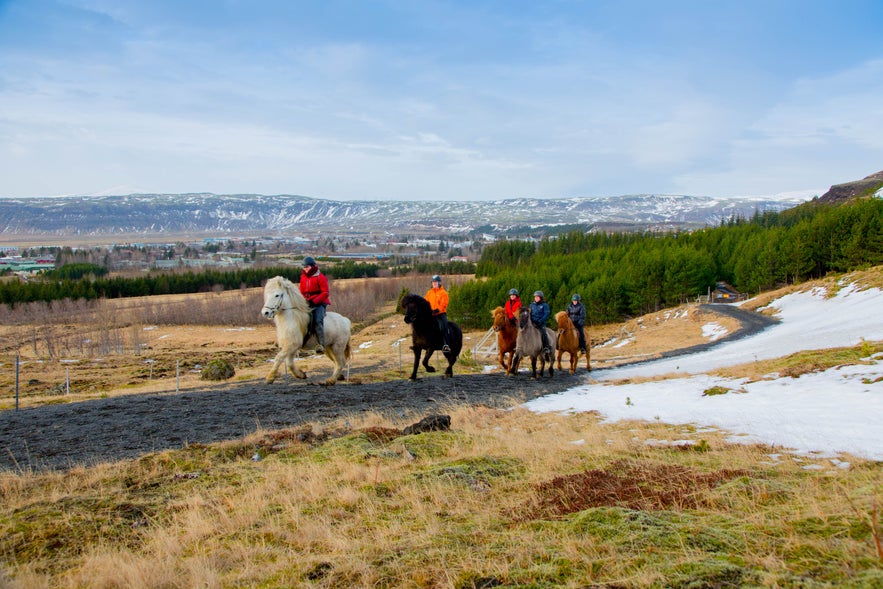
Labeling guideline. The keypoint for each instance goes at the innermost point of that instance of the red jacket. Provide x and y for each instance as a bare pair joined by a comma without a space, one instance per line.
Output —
512,307
314,286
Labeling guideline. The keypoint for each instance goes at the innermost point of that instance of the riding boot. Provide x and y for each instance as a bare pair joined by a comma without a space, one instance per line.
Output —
443,327
319,319
547,350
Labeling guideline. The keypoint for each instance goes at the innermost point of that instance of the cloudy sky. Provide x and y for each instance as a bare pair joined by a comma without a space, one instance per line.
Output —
439,99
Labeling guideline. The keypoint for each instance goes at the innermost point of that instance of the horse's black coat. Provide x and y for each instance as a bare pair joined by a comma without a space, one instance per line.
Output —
425,334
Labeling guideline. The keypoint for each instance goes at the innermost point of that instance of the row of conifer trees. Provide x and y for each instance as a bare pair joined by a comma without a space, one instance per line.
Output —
621,275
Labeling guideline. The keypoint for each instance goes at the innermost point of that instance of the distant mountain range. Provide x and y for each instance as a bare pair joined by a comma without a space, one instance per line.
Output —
254,214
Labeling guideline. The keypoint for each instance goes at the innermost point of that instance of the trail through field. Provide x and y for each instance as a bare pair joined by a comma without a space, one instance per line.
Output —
89,432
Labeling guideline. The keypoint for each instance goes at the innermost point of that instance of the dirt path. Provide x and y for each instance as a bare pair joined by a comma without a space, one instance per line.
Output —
61,436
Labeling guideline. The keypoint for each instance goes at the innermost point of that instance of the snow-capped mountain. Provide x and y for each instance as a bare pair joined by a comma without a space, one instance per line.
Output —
151,214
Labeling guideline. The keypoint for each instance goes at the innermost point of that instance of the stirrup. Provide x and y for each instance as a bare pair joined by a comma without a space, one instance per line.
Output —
446,348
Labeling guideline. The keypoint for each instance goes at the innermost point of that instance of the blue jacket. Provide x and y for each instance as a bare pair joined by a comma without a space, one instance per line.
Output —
577,314
539,312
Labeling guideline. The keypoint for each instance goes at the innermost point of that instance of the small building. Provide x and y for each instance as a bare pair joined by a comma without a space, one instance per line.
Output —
725,293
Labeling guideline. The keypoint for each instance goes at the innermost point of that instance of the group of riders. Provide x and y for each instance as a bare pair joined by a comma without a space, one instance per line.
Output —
540,313
314,288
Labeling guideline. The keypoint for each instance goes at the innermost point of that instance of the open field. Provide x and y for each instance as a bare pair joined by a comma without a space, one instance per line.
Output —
505,498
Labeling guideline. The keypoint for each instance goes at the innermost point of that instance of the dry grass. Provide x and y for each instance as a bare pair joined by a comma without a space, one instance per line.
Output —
506,498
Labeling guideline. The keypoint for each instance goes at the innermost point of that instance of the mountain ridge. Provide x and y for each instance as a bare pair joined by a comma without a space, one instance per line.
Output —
228,214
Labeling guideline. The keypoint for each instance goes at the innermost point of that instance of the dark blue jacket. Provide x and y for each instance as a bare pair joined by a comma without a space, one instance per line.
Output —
577,314
539,312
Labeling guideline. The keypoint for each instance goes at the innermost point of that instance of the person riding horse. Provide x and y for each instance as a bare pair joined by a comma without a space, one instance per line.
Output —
539,315
437,297
513,305
314,287
577,313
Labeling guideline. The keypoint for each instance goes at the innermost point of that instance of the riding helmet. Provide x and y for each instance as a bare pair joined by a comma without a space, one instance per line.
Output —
540,294
575,297
436,278
513,291
309,261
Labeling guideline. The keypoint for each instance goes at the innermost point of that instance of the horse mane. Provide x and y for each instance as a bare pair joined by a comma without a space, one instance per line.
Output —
298,302
564,321
497,312
414,298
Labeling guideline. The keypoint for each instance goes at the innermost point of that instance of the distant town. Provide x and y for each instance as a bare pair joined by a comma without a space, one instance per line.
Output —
241,252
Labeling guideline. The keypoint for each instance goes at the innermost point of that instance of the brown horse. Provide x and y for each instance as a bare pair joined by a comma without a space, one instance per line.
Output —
507,333
568,341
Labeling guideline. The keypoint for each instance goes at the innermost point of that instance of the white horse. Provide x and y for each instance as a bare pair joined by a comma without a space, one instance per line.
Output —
284,303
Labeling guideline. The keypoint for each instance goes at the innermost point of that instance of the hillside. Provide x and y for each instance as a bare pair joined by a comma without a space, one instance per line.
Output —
848,190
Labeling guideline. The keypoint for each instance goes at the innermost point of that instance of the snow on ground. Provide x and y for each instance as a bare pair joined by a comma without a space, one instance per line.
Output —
825,413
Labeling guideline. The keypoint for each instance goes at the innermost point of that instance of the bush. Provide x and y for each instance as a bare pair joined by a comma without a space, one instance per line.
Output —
218,369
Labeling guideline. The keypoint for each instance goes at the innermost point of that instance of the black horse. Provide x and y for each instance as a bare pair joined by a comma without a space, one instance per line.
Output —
425,334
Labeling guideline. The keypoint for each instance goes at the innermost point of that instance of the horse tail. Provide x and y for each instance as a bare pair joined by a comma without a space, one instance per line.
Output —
347,352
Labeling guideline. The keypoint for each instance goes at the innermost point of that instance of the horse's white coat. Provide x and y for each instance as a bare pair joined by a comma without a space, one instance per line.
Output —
284,303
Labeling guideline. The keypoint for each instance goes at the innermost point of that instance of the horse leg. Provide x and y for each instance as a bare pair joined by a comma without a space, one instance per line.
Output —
416,363
277,362
560,353
533,366
514,361
426,358
333,352
293,368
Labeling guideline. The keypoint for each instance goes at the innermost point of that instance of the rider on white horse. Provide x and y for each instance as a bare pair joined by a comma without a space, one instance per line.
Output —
314,287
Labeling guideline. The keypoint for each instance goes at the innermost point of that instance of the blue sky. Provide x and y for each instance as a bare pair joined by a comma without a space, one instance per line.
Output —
441,100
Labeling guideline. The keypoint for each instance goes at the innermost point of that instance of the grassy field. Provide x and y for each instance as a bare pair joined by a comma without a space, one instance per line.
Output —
506,498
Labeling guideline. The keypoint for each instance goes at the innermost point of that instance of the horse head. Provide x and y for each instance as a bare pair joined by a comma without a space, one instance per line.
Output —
280,294
412,305
523,318
274,297
564,321
500,319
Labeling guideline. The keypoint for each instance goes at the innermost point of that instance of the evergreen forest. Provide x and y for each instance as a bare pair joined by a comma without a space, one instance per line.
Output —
622,275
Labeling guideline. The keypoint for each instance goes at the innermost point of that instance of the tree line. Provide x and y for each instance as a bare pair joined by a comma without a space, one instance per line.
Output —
87,281
621,275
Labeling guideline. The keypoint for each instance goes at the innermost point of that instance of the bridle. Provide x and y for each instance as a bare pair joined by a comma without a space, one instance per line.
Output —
272,310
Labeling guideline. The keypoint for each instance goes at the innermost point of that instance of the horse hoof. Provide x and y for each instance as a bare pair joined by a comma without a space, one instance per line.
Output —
430,368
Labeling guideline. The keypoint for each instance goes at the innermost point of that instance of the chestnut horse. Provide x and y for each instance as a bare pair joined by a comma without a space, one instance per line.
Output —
507,333
568,341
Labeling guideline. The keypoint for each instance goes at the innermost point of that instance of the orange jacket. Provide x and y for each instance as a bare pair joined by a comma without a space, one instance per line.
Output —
438,299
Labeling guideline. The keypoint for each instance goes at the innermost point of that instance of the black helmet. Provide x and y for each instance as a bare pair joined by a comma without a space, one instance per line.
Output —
540,294
436,278
513,291
309,261
574,297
